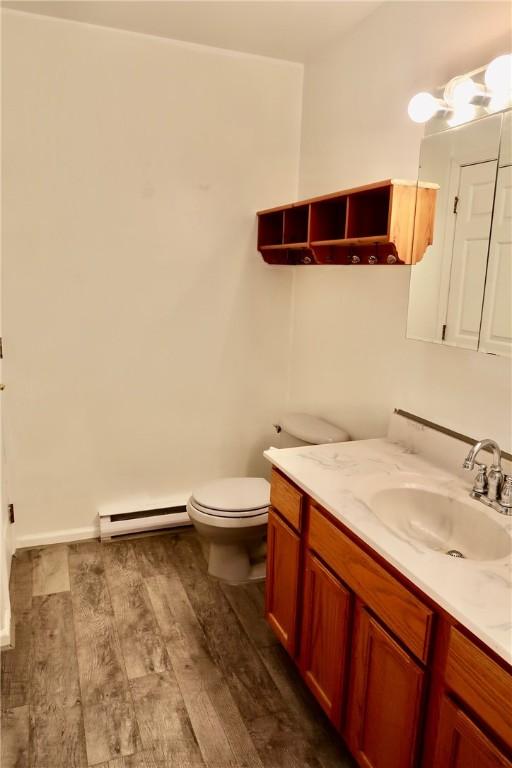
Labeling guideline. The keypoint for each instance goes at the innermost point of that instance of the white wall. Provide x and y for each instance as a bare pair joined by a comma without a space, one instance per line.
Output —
350,359
145,341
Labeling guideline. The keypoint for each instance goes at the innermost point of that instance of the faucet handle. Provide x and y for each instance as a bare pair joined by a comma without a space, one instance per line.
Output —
506,492
480,484
494,482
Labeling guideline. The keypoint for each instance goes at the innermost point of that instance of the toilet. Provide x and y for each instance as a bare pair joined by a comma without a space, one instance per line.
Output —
230,515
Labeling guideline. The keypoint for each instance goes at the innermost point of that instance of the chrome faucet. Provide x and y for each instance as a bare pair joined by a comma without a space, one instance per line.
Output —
492,488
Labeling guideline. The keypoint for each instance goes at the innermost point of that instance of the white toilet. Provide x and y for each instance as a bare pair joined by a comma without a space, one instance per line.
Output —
231,514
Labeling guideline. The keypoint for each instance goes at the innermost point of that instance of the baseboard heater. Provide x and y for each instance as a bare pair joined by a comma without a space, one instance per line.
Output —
117,520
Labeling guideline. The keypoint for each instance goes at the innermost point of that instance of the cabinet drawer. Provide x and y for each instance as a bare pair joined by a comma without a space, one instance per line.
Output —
398,608
286,499
481,683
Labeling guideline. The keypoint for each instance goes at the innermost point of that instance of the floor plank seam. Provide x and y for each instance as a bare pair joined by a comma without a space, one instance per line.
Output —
114,622
76,652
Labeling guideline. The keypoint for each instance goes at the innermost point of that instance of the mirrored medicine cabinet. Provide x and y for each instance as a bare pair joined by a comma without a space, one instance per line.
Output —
461,291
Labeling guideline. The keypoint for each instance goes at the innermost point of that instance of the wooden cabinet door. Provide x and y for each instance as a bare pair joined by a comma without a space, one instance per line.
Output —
385,698
461,744
325,625
283,559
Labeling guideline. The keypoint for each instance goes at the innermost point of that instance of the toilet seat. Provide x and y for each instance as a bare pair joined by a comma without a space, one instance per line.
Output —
233,497
214,520
226,512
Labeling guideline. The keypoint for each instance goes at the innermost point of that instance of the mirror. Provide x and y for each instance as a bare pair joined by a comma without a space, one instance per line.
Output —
461,291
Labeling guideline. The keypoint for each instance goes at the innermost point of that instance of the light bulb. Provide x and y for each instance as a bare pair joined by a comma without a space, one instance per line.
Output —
460,91
422,107
498,75
462,113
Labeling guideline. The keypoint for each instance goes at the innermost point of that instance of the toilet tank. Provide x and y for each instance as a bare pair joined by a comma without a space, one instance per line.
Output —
296,429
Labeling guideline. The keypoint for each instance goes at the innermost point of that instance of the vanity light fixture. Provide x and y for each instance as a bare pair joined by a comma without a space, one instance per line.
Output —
488,87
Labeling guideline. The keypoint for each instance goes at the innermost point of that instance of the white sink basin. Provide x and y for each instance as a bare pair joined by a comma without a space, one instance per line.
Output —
442,523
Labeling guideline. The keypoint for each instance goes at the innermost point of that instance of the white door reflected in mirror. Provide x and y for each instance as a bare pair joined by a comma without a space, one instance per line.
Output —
473,219
496,330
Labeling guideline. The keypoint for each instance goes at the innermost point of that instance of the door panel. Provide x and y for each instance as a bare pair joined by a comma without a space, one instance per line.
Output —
385,698
461,744
325,626
470,250
496,333
283,561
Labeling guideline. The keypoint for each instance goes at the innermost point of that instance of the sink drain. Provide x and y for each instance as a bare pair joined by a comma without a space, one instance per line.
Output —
455,553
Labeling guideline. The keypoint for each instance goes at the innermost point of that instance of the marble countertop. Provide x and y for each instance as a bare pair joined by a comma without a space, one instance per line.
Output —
344,477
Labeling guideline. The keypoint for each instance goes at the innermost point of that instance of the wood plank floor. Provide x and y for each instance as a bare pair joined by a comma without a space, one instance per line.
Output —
128,655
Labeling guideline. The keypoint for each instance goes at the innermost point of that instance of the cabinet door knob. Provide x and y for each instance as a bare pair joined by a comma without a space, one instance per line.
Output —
355,259
373,259
391,259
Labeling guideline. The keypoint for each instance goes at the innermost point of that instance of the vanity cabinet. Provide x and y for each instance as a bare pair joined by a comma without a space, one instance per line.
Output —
461,743
403,684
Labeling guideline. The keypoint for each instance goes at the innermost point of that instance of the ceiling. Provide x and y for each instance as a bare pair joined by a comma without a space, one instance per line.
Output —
282,29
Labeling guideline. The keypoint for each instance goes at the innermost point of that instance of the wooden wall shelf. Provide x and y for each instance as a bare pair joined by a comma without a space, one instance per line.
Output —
388,222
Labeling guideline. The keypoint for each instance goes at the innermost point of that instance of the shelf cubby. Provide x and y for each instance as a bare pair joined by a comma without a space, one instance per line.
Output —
368,213
328,219
270,230
296,223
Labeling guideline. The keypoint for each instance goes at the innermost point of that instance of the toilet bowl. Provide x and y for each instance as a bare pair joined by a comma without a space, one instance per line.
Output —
230,515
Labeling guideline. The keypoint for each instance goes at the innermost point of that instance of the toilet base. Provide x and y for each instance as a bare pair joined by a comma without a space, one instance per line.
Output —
235,563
